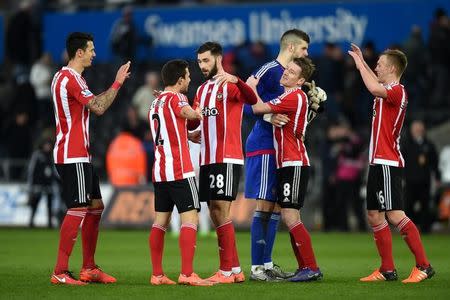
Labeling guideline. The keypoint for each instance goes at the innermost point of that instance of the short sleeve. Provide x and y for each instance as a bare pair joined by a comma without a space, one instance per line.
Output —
80,92
267,84
177,103
280,106
395,94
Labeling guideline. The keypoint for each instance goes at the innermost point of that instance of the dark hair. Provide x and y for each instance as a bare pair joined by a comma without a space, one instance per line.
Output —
77,40
293,33
397,58
214,47
173,70
306,65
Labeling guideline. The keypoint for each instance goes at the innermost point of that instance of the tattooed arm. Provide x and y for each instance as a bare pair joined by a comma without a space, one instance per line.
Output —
100,103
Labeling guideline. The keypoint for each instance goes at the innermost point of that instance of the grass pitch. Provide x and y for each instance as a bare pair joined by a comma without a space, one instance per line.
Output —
27,258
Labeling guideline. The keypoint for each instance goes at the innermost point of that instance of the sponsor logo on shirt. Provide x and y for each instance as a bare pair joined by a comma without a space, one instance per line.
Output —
210,112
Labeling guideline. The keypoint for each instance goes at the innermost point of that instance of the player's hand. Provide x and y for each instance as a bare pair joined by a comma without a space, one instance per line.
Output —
156,93
195,136
356,49
312,88
321,94
279,120
356,58
198,113
123,73
316,92
316,96
225,77
252,82
314,104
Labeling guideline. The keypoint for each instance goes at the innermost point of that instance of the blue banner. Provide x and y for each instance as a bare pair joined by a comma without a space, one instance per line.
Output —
178,31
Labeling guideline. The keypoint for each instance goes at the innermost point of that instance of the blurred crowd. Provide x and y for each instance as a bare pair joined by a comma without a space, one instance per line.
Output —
338,138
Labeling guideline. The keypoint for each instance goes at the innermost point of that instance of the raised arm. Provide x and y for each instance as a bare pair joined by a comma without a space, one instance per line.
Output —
100,103
371,82
358,52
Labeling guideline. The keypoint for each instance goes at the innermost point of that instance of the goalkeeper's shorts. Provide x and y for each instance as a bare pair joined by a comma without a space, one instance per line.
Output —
261,178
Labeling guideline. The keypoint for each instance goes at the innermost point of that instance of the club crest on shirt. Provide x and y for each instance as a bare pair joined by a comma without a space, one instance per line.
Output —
219,96
86,93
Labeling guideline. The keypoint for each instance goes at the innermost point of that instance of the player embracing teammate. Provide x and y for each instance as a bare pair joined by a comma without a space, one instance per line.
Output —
292,161
222,98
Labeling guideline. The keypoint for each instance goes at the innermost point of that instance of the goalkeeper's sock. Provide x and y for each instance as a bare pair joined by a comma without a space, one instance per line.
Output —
67,237
156,243
272,229
411,235
383,240
187,239
258,234
303,245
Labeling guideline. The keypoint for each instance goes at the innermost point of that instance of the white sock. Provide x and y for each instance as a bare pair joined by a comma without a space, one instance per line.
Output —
236,270
268,266
226,273
257,268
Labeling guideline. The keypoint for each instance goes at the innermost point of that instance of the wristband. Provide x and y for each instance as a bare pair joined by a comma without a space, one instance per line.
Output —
267,117
116,85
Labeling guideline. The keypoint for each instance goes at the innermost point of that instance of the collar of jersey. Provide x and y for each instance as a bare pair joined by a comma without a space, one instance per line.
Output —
69,68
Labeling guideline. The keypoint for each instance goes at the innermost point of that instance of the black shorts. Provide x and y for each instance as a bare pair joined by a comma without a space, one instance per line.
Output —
80,184
385,188
219,181
182,193
292,186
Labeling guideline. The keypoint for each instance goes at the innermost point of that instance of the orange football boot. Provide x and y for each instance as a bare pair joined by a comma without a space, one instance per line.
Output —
219,277
161,280
419,274
96,275
239,277
194,280
380,276
65,278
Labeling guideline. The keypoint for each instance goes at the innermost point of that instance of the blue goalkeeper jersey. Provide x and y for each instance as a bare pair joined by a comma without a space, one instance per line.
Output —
260,139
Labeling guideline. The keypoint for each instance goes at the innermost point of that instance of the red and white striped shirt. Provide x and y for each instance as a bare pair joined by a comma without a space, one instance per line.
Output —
70,95
169,131
288,140
387,123
222,107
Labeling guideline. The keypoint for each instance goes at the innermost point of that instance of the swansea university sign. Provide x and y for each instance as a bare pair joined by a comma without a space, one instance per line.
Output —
178,31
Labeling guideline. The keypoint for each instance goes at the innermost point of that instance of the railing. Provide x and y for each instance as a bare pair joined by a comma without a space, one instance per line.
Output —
13,170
